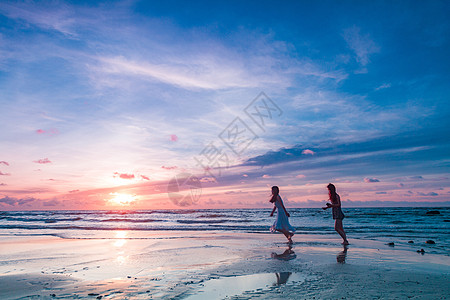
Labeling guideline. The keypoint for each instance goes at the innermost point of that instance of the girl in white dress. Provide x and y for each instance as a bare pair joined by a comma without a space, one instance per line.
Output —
282,222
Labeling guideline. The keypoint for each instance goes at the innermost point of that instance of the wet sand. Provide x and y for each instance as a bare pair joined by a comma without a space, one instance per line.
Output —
216,265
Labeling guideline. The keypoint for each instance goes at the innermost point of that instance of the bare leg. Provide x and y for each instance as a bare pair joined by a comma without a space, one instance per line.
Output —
287,234
340,229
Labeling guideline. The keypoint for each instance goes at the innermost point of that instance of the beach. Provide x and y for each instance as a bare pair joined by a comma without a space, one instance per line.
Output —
216,265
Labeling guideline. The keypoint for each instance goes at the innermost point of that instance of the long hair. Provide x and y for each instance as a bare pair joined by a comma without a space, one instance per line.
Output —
332,193
275,192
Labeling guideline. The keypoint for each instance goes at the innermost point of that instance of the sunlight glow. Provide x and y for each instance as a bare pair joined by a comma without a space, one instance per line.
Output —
122,199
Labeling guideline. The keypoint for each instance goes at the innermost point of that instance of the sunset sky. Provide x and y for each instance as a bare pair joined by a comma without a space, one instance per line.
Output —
103,104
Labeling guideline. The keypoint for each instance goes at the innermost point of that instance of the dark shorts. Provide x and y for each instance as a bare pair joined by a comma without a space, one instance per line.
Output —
338,214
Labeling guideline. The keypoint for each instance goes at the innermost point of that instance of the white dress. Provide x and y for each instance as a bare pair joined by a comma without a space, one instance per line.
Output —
282,221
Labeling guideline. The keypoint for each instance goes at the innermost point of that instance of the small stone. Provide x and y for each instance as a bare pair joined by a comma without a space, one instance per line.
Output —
93,294
52,295
430,242
100,297
391,244
411,242
433,212
128,276
421,251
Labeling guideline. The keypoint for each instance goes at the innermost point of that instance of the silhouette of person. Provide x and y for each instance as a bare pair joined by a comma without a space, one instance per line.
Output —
338,215
281,224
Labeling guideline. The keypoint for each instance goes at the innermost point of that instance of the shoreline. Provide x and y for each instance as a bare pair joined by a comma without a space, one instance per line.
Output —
194,264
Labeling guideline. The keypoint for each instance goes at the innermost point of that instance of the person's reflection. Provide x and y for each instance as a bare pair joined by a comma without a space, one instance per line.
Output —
288,254
340,257
282,277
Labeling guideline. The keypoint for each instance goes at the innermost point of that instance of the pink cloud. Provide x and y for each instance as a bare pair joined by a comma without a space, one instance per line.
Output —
370,180
4,162
245,175
400,185
43,161
300,176
208,179
266,176
169,168
49,132
3,184
124,175
173,138
307,151
4,174
145,177
73,191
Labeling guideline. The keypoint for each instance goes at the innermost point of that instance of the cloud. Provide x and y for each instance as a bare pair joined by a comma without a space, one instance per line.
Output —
208,179
51,203
43,161
200,73
145,177
124,175
4,174
49,132
362,45
308,152
383,86
381,193
416,177
15,201
4,163
266,176
3,184
53,17
169,168
400,185
427,194
369,180
300,176
173,138
74,191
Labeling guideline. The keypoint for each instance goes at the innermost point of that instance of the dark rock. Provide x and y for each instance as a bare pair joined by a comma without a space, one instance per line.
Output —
93,294
430,242
128,276
391,244
433,212
421,251
100,297
411,242
52,295
446,220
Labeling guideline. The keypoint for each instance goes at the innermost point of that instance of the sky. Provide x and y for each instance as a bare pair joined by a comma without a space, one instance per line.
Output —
207,104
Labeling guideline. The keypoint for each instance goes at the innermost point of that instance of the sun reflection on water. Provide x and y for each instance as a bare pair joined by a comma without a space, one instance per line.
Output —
120,238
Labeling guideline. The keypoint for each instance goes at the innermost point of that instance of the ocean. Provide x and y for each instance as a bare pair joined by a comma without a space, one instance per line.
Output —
398,225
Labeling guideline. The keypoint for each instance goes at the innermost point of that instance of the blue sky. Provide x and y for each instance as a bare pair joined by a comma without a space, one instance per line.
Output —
119,97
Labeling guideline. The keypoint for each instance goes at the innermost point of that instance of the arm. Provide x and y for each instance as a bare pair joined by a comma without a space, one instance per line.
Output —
273,210
338,204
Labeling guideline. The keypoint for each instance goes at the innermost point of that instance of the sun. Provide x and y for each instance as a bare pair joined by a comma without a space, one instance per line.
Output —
122,199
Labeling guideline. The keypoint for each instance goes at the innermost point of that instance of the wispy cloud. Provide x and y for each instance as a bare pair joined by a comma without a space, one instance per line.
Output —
362,44
53,17
4,163
124,175
370,180
42,161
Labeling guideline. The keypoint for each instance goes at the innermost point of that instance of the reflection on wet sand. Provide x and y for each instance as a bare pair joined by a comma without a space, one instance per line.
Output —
282,277
340,257
288,254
